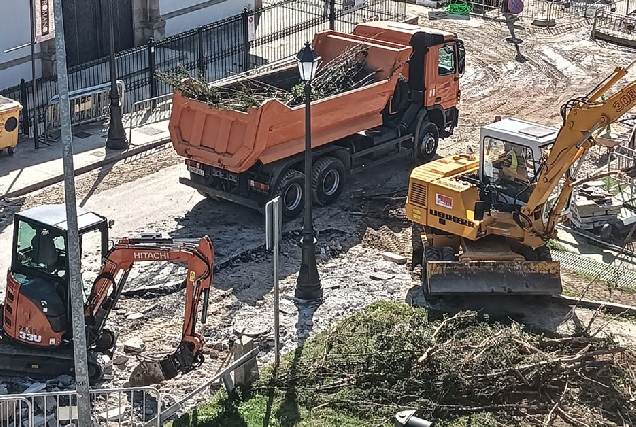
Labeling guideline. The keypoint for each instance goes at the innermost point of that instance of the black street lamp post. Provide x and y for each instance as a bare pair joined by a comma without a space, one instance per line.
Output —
116,133
308,286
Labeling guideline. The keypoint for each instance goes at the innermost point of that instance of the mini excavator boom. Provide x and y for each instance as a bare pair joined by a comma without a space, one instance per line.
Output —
36,321
487,220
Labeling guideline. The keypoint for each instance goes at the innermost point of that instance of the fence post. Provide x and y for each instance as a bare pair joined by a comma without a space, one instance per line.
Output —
246,40
332,14
152,67
24,100
200,61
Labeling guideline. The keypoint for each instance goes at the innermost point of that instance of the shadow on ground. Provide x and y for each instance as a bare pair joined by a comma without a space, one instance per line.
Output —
541,314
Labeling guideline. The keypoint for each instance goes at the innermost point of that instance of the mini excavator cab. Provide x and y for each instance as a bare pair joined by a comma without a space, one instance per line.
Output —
37,301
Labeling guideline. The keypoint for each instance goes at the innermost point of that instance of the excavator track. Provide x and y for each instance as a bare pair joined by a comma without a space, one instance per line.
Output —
19,360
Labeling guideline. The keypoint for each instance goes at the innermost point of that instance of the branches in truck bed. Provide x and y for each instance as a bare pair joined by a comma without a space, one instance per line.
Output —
345,72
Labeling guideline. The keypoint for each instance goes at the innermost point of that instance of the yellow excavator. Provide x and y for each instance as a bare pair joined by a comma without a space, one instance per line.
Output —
480,225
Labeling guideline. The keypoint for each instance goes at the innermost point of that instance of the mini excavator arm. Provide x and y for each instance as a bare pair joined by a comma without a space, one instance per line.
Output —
107,289
585,117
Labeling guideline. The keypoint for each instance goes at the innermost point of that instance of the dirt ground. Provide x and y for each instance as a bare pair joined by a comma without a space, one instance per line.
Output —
368,219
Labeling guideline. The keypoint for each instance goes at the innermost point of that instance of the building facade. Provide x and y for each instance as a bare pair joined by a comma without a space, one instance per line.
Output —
86,30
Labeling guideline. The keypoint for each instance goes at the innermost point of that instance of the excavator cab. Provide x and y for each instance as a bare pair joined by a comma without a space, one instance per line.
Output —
511,155
36,309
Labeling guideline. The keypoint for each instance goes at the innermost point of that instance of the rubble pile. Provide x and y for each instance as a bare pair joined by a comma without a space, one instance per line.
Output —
392,356
593,207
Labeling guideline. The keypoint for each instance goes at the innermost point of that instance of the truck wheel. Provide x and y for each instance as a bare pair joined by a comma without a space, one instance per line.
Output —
290,188
543,253
327,180
10,151
447,253
417,245
425,142
528,253
431,253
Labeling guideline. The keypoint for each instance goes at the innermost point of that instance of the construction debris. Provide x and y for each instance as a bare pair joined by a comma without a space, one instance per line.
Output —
593,206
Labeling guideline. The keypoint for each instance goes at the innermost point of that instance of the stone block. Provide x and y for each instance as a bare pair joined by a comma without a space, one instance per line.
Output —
247,372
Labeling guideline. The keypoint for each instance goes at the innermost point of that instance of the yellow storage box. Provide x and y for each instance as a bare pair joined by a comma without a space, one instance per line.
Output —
9,120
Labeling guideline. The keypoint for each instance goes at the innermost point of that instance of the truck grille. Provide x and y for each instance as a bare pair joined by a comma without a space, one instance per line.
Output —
418,194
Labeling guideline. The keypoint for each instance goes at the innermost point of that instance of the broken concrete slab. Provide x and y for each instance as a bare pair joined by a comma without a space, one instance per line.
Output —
134,345
390,256
113,414
35,387
67,413
378,275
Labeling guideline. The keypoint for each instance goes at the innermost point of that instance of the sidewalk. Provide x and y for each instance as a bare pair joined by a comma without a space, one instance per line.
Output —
30,169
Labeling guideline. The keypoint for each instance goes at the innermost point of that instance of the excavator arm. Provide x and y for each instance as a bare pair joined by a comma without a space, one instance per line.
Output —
109,284
582,118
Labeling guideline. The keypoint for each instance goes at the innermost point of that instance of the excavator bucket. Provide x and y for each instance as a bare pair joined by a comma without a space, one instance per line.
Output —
493,277
150,372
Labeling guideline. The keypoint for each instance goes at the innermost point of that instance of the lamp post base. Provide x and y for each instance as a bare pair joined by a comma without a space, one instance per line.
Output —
116,133
308,286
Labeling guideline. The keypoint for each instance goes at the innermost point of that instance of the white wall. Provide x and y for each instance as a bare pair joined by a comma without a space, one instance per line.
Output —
15,30
188,21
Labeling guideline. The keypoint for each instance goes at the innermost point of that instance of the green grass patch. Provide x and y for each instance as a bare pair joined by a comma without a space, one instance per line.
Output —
611,185
555,245
458,371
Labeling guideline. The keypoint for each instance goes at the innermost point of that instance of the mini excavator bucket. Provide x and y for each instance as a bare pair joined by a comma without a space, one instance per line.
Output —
150,372
493,277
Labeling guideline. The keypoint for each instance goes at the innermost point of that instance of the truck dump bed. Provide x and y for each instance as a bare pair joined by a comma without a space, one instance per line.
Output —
236,140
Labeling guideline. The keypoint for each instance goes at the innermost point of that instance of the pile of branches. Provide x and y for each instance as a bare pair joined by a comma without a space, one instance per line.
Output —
240,96
391,357
345,72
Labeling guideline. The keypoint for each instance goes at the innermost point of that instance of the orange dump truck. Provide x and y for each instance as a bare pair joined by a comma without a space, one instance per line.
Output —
250,157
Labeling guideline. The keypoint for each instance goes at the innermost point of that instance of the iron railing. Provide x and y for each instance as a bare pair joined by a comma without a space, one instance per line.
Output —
614,27
212,51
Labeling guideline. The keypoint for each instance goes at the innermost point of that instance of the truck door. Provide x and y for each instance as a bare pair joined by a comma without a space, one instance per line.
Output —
443,87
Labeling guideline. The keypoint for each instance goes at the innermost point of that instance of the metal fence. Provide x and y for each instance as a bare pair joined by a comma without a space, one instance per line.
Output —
212,51
541,12
109,408
614,27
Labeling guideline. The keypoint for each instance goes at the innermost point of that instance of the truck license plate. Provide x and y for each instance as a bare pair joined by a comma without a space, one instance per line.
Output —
196,170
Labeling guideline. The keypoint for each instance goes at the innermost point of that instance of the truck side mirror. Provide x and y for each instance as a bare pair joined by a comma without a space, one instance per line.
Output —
111,222
480,209
461,56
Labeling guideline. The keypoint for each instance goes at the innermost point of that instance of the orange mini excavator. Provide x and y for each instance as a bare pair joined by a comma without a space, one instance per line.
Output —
36,316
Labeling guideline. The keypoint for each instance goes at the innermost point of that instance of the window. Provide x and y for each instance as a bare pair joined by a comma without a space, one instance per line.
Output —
41,249
446,63
509,167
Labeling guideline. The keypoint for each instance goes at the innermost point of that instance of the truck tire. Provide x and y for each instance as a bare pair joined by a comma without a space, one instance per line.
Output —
327,180
543,253
426,140
528,253
431,253
291,188
198,179
447,253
